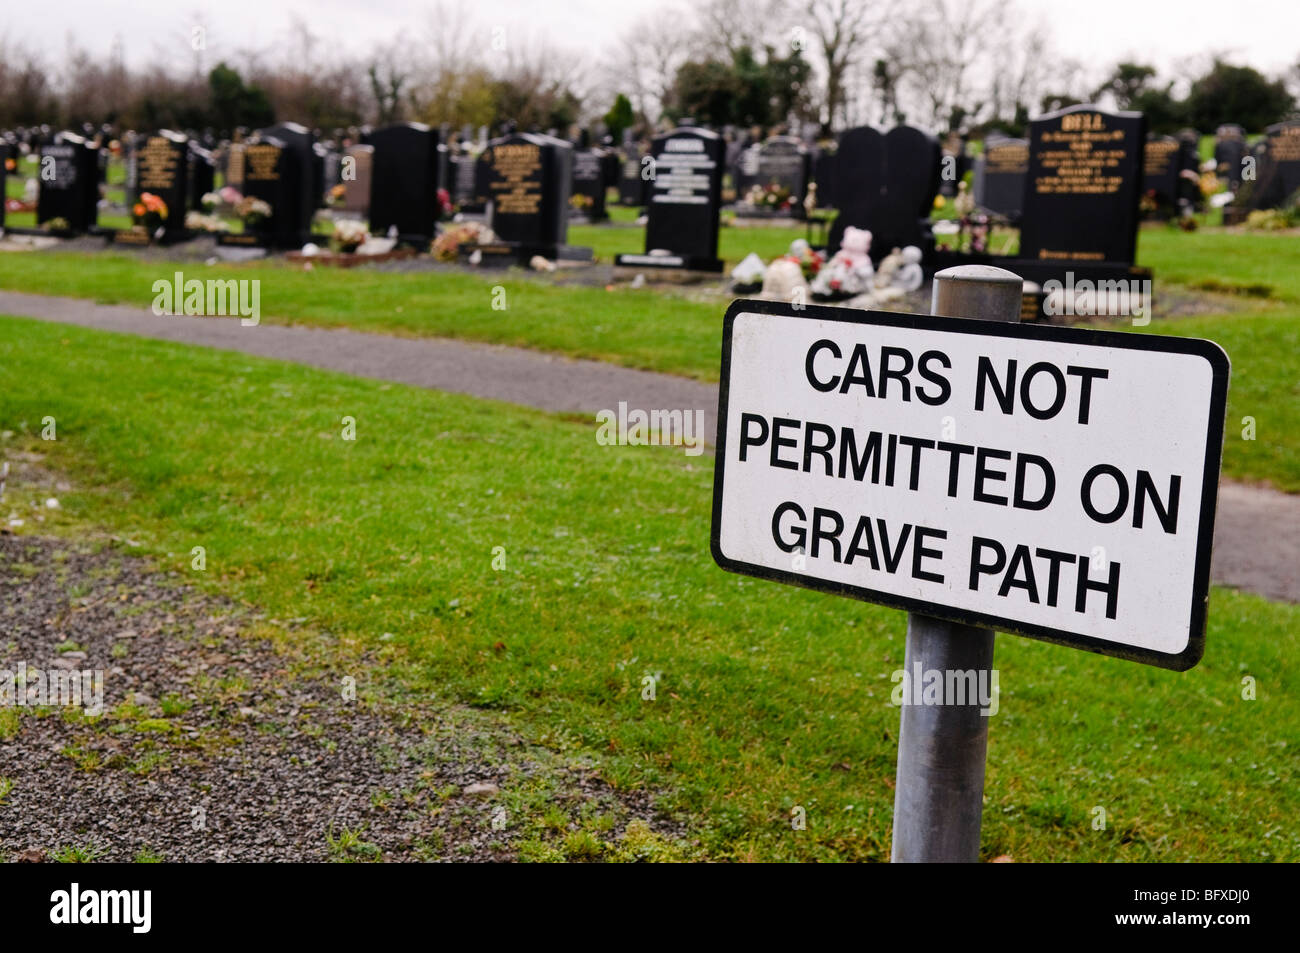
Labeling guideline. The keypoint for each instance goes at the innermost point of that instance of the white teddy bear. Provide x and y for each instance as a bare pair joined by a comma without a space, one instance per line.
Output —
849,271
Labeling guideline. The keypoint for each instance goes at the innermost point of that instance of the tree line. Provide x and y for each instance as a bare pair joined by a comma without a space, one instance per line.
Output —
960,65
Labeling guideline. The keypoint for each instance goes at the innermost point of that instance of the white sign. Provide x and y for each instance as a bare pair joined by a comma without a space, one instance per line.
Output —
1055,482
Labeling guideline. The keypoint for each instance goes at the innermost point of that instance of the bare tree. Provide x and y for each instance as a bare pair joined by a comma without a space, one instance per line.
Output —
843,32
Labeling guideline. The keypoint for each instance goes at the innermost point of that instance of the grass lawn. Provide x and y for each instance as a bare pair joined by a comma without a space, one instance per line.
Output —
767,697
679,334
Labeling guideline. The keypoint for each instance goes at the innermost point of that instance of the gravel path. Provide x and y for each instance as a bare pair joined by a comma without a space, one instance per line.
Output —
1257,536
213,746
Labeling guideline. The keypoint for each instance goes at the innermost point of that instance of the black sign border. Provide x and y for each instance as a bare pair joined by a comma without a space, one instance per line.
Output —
1220,367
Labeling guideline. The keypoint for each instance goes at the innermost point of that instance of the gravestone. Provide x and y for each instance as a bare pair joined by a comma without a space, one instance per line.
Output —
234,173
304,172
823,174
685,198
886,183
526,178
784,162
1189,182
589,182
1085,179
999,183
68,173
633,188
162,169
1277,166
202,173
1162,165
404,185
357,171
1229,150
273,172
465,194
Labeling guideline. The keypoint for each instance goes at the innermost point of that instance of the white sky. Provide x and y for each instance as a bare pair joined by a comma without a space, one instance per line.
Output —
1261,33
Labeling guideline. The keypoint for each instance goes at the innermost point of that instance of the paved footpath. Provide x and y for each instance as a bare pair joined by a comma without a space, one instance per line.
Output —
1257,532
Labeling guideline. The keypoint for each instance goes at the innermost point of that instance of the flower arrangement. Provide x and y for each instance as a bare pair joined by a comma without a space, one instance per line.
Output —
349,235
150,212
337,194
772,196
230,196
254,212
446,247
57,224
579,201
809,260
444,202
200,222
209,202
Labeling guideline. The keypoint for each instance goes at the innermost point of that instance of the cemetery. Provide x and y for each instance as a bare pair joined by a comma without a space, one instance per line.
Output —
961,367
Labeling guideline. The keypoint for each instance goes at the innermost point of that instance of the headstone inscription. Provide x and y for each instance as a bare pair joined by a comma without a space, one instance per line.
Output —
68,173
1081,200
999,184
685,198
1162,164
886,183
404,185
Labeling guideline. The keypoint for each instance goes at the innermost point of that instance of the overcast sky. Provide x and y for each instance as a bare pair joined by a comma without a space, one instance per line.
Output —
1261,33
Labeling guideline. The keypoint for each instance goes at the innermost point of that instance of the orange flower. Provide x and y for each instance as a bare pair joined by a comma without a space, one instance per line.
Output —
138,210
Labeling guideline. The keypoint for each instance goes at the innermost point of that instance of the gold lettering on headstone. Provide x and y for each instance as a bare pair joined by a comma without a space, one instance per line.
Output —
1285,146
156,165
516,183
260,163
1081,158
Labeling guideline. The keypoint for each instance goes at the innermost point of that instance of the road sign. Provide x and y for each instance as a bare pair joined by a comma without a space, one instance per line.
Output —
1058,483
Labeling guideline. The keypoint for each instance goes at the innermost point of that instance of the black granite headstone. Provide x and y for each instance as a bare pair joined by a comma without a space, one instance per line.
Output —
886,183
784,162
633,187
68,173
1085,180
824,175
527,178
162,169
272,173
1278,166
1162,164
999,183
590,183
404,181
684,202
203,170
300,196
1229,150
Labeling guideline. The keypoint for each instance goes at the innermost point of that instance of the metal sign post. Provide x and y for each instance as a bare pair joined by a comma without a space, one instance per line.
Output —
940,780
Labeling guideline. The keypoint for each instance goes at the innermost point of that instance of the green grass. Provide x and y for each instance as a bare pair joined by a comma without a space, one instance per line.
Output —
678,334
768,697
